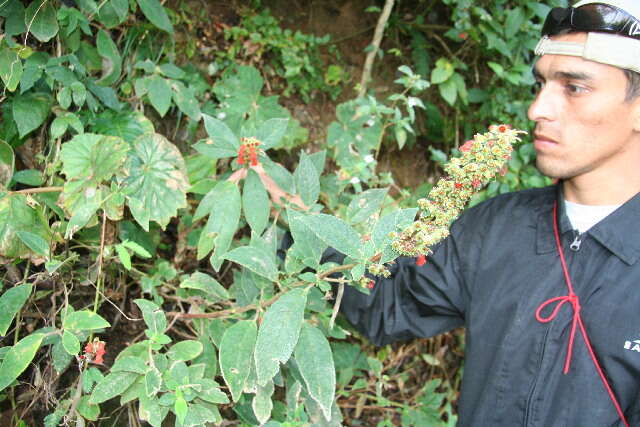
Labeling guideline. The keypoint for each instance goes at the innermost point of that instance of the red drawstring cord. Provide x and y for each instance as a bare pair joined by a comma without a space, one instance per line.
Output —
572,298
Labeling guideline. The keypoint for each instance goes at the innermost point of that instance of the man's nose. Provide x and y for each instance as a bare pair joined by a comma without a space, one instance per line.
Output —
543,107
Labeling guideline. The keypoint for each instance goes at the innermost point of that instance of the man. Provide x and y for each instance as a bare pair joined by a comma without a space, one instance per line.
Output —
546,281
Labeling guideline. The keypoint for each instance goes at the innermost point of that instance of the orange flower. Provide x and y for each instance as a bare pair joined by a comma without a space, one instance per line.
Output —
95,351
421,260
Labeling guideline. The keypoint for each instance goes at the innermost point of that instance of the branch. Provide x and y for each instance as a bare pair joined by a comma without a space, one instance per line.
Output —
38,190
377,38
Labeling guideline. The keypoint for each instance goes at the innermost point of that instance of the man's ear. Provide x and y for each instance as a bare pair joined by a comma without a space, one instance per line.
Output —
636,114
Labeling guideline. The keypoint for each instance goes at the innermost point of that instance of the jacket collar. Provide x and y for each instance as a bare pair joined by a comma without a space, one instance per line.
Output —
618,232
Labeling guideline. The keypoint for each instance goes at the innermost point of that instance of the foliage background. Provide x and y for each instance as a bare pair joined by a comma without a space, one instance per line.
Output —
121,125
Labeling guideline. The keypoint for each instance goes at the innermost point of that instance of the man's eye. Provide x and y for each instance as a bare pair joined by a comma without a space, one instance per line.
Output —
575,89
537,87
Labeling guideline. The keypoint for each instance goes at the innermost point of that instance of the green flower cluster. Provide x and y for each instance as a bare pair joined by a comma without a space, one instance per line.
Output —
482,158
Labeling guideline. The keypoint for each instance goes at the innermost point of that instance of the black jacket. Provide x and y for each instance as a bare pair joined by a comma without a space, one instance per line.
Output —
499,264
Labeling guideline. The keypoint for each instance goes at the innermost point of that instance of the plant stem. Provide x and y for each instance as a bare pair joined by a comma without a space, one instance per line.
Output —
336,306
96,302
38,190
377,38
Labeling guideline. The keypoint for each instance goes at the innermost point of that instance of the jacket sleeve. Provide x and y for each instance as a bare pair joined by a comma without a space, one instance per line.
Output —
415,301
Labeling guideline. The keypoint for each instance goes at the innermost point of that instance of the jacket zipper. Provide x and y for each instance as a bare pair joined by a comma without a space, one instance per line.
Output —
577,241
534,386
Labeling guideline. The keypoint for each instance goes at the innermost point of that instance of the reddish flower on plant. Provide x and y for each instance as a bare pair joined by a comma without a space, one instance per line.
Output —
95,351
248,151
458,185
371,284
421,260
466,146
463,35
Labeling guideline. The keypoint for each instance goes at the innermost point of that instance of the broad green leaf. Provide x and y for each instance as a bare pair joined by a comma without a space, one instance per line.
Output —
124,256
222,224
34,242
444,69
111,386
111,59
7,164
271,132
151,411
154,11
88,410
82,216
185,99
449,91
59,356
16,215
40,19
262,404
32,177
365,204
180,407
279,333
10,67
255,259
18,358
207,284
156,184
393,222
307,180
92,158
30,110
127,125
70,343
236,355
11,301
307,246
13,11
185,350
222,141
113,12
130,364
255,202
201,414
159,93
315,363
84,320
210,391
515,19
335,233
153,315
152,382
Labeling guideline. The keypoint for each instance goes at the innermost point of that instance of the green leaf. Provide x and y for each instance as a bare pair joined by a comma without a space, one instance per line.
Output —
157,181
16,215
34,242
307,246
449,91
365,204
111,386
155,13
124,256
92,158
315,363
279,333
153,316
10,67
207,284
255,259
70,343
130,364
444,69
40,19
32,177
30,110
84,320
11,302
111,59
185,350
88,410
18,358
307,180
222,224
152,382
185,99
271,132
255,202
335,233
393,222
515,19
262,404
7,164
113,12
127,125
236,355
159,94
180,407
222,141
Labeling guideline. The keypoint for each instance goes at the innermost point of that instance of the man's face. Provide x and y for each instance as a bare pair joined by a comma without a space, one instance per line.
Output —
584,127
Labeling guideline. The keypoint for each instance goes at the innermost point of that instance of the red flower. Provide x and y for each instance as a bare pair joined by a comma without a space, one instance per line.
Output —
458,185
466,146
503,128
253,156
476,183
463,35
421,260
371,284
96,350
241,151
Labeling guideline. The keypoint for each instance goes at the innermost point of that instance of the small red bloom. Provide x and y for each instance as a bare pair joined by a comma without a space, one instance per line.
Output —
421,260
466,146
253,156
371,284
458,185
96,350
463,35
476,183
503,128
241,154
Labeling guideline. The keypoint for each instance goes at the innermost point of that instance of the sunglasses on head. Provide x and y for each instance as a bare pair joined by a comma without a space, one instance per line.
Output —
593,17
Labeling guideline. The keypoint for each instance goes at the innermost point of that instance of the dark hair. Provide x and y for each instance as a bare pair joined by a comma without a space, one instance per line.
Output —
633,85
